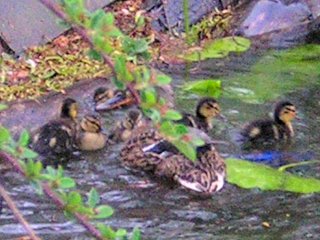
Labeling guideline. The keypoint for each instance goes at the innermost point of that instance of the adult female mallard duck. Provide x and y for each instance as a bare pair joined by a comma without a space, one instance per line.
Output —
123,129
56,136
149,151
108,99
280,127
207,109
89,135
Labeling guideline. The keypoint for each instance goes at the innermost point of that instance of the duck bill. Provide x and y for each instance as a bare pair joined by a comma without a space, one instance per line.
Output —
114,103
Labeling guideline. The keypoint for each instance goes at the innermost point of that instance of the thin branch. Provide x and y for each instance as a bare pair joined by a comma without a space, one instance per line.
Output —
17,213
53,196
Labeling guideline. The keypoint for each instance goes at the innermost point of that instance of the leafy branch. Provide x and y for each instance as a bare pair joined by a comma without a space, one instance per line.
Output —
58,187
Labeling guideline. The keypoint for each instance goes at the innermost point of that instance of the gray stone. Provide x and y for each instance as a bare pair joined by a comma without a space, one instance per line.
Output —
269,16
197,9
25,23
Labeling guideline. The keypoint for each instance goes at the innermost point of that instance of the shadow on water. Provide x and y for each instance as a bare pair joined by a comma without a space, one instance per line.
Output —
162,211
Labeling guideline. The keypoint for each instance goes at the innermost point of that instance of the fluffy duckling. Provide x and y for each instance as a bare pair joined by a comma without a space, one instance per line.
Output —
207,109
123,129
267,129
89,136
149,151
108,99
56,136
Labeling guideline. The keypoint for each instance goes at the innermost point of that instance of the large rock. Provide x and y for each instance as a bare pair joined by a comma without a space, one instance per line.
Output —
27,22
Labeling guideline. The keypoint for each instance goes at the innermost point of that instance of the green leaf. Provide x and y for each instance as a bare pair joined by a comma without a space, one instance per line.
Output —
24,138
93,198
103,211
187,149
153,114
208,87
196,141
67,182
4,135
28,153
163,79
93,54
121,69
252,175
74,199
96,18
172,115
181,129
3,107
219,48
106,231
149,96
121,233
136,234
167,128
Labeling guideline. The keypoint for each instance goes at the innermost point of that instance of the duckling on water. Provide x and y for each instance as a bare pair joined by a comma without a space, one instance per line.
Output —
124,129
89,135
56,136
272,129
149,151
207,109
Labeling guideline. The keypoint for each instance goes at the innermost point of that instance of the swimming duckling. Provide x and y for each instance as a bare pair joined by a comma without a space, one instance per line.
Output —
207,109
124,129
56,136
149,151
108,99
267,129
89,136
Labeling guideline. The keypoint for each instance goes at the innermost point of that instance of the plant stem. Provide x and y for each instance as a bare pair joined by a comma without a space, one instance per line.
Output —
53,196
17,213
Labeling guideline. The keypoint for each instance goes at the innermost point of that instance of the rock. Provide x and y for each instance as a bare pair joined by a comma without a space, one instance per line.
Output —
25,23
268,16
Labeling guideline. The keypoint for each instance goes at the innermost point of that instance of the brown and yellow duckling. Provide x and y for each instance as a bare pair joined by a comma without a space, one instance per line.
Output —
56,137
89,135
280,127
207,109
149,151
123,129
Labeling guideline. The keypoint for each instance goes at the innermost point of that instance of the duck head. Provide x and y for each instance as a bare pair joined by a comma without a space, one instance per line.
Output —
69,109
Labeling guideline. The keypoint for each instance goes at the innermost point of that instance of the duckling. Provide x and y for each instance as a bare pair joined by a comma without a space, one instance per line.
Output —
207,109
56,136
149,151
124,129
108,99
269,130
89,135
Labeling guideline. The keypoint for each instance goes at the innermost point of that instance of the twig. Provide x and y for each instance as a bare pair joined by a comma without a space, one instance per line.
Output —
53,196
17,213
82,32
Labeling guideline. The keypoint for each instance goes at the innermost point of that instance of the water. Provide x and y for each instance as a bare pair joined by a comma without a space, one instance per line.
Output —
163,211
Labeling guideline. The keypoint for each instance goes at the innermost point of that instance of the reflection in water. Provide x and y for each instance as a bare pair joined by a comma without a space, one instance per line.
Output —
163,211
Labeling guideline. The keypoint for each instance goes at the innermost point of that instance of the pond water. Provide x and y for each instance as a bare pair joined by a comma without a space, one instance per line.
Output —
163,211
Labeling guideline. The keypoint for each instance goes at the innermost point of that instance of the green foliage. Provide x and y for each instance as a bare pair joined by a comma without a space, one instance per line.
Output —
208,87
219,48
3,107
276,74
252,175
